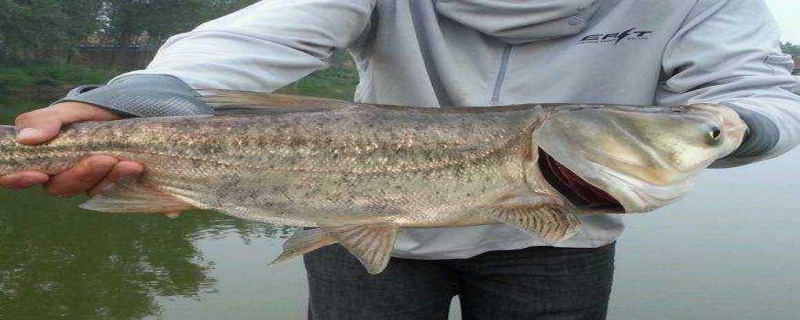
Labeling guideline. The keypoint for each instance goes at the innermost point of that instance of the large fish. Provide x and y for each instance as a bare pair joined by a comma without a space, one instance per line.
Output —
359,172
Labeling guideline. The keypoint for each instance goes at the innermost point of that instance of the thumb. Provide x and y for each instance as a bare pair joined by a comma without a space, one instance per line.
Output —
41,125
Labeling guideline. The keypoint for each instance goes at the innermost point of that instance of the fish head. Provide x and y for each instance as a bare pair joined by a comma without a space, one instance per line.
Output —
621,159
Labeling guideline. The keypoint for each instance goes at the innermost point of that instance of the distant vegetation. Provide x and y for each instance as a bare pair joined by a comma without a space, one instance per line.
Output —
47,46
338,81
47,79
28,28
791,49
41,40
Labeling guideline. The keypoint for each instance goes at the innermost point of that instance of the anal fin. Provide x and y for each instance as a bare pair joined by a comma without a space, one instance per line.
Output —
127,195
542,215
371,244
302,242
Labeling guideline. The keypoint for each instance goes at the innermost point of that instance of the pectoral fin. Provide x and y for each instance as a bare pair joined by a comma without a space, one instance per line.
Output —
128,195
550,219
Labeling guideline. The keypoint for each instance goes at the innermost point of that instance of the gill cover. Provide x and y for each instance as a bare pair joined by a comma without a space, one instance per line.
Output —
644,157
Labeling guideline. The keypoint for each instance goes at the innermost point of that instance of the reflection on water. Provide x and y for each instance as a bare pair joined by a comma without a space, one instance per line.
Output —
62,262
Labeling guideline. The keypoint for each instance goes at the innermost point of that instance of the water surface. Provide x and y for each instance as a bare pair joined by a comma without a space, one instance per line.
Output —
731,250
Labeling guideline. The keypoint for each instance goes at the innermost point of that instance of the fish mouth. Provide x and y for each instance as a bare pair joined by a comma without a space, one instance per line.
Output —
578,191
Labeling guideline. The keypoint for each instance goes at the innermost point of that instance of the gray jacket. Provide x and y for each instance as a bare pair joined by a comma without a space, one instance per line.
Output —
478,52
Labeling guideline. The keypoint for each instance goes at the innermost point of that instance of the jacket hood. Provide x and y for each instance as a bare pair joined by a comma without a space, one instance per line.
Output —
519,22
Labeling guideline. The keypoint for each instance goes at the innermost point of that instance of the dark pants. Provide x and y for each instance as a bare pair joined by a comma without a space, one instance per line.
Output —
533,283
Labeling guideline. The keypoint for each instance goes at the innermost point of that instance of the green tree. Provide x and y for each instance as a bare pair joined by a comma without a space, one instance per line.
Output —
28,27
151,22
129,20
791,49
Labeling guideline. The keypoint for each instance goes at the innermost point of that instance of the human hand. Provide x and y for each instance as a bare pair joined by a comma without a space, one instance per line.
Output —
90,175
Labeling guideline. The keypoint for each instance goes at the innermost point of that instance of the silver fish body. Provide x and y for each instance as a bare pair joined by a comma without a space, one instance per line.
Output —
359,172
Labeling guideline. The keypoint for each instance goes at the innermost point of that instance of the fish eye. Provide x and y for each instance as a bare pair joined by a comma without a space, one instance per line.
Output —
715,134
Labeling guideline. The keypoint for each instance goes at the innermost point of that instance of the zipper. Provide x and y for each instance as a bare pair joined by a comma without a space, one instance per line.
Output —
501,74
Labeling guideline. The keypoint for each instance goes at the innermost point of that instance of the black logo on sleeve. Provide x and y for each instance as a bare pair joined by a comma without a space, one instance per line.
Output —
617,37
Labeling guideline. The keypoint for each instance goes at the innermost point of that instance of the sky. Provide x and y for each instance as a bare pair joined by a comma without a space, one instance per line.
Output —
788,14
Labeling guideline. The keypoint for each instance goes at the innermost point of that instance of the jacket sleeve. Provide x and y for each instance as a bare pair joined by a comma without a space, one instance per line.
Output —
143,95
728,52
260,48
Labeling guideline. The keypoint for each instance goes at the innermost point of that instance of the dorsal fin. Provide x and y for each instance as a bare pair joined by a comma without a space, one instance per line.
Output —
233,101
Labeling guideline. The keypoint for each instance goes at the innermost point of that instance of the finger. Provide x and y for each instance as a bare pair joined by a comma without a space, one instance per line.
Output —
82,177
22,180
122,169
32,130
41,125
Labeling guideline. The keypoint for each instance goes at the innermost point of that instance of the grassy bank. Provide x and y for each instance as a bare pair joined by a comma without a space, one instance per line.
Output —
44,81
334,82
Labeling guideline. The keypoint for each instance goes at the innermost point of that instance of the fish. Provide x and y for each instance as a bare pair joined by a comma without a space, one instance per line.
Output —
355,173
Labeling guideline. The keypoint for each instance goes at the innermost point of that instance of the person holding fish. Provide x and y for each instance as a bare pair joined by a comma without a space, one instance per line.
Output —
542,250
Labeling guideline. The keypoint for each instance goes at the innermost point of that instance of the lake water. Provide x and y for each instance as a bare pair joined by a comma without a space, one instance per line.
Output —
731,250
